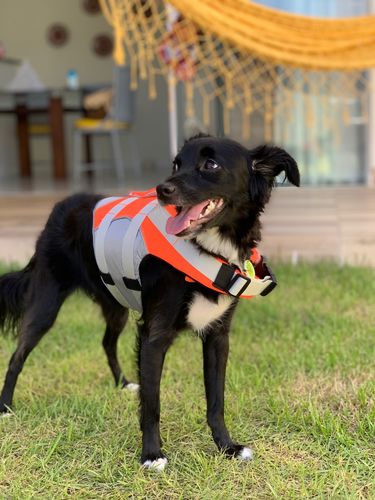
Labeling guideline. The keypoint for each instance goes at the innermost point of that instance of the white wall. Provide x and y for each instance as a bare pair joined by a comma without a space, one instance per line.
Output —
23,31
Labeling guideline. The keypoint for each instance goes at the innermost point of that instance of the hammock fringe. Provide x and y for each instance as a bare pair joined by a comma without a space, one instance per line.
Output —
249,57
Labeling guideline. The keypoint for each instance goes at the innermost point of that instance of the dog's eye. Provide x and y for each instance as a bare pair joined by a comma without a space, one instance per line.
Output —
210,164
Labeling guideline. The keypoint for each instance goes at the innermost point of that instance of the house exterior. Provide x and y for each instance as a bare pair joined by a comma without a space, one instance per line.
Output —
346,158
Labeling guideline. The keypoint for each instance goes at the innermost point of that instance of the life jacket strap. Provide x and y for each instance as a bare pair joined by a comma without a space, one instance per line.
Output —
132,284
224,277
107,278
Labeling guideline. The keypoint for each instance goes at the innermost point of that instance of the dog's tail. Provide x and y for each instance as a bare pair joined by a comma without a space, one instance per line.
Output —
13,289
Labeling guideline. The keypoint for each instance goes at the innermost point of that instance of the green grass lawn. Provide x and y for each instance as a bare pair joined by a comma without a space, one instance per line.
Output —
300,392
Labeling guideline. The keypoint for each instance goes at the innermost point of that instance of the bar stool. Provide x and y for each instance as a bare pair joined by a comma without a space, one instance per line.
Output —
117,125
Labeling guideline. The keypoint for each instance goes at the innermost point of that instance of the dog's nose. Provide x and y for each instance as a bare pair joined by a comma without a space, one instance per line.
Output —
165,190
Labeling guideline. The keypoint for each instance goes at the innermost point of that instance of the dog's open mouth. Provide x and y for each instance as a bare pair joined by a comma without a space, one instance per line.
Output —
190,217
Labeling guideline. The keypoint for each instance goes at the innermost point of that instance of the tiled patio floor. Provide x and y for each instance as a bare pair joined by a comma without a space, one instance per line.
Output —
315,223
305,223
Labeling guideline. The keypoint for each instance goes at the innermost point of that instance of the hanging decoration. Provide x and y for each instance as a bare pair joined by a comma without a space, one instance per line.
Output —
58,34
102,45
91,6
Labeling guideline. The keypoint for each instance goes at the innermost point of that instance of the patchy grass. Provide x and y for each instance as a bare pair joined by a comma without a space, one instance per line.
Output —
300,391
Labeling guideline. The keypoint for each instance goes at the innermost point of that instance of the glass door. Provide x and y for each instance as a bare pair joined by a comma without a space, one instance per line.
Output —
327,153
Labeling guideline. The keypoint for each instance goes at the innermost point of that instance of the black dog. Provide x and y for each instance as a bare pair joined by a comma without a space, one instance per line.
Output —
239,183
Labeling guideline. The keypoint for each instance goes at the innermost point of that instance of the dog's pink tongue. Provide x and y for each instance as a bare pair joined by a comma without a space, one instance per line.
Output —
182,220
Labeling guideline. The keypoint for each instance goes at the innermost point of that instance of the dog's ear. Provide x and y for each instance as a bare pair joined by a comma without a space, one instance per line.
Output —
270,161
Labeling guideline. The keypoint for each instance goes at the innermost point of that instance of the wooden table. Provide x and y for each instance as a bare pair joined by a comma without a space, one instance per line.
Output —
55,110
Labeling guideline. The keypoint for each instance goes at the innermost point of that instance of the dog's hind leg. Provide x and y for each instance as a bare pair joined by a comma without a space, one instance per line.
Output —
116,318
215,355
41,308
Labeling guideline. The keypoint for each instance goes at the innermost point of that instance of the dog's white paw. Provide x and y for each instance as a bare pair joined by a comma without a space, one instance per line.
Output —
245,454
132,387
157,465
6,414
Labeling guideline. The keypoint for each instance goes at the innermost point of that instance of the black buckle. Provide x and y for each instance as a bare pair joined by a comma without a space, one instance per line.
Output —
234,280
227,277
269,289
273,284
224,277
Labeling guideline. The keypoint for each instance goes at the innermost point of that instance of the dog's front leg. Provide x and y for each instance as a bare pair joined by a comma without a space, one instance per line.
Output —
215,355
152,351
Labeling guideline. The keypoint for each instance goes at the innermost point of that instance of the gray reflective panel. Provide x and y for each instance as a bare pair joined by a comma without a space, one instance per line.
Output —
113,253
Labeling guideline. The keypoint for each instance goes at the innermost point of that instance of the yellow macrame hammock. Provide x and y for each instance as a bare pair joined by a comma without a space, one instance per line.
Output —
247,55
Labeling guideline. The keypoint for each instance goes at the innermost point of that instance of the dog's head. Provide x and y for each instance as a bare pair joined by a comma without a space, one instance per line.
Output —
218,182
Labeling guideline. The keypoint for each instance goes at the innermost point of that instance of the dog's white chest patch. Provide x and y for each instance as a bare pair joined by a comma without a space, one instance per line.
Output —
202,311
213,242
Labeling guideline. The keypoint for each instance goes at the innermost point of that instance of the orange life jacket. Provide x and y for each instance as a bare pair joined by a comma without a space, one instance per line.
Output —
126,229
